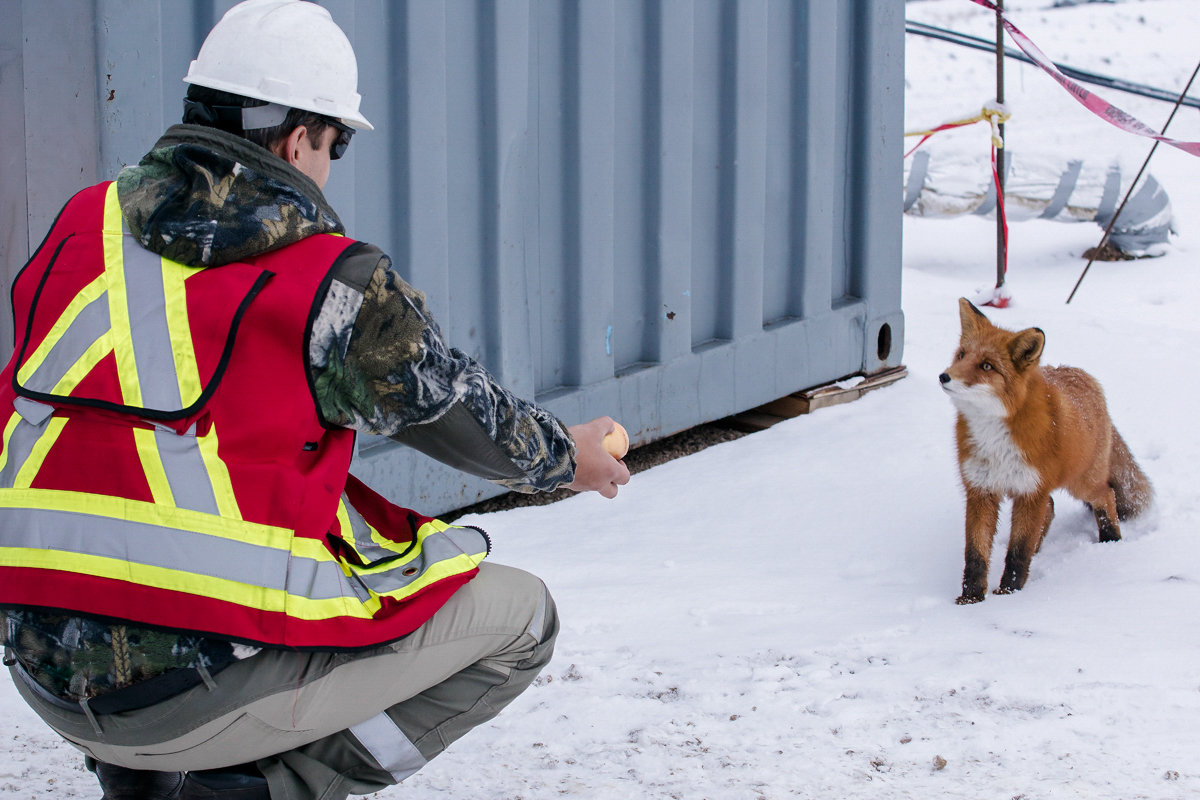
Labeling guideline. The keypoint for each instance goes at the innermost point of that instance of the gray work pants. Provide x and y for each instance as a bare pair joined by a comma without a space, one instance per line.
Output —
323,725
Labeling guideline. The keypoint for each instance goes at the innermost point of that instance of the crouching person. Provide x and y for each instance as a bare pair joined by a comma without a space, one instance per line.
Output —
197,594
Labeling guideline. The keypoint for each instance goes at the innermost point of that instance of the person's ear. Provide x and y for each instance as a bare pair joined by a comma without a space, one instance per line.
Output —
289,148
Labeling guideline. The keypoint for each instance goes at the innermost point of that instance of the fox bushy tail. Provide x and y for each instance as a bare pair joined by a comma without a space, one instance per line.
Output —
1130,485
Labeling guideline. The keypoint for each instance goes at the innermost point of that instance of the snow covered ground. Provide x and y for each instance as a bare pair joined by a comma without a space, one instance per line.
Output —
774,618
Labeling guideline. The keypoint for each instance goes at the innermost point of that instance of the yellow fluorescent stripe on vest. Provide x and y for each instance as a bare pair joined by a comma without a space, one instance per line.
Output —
347,533
112,225
323,609
118,303
149,514
146,575
227,590
256,597
384,542
439,571
374,534
8,431
423,533
156,475
218,475
305,546
88,294
378,538
37,455
310,548
173,276
312,610
343,518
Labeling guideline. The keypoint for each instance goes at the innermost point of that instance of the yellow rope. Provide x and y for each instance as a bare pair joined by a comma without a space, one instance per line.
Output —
122,668
992,112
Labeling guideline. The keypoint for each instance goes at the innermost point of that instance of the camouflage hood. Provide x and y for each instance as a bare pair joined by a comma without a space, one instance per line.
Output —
203,197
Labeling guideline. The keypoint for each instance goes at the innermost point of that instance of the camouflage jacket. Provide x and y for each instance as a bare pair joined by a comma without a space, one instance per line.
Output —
378,361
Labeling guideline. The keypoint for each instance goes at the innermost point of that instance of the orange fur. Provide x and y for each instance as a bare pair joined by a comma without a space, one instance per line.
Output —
1023,431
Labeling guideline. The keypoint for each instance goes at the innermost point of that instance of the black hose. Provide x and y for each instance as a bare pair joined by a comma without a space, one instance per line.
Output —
976,43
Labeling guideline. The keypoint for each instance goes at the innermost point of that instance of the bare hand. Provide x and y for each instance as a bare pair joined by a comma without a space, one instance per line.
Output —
595,469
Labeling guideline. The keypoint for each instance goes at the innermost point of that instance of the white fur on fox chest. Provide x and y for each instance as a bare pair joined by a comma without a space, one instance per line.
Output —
995,463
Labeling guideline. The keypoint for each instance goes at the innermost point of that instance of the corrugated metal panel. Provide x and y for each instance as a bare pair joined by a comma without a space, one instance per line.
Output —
668,211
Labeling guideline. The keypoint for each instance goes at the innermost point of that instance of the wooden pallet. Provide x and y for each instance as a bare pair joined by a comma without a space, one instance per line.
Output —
809,400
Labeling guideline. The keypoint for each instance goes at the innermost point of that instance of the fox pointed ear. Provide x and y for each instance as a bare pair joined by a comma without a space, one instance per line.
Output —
972,318
1026,347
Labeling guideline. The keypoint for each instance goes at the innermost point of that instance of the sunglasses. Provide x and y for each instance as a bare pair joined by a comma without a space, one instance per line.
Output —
338,148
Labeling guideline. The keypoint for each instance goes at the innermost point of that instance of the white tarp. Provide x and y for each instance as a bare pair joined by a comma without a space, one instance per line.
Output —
942,184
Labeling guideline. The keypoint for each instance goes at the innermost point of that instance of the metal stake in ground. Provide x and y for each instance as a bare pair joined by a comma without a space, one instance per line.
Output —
1108,228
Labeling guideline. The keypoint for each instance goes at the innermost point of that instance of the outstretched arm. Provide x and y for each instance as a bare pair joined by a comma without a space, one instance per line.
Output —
380,365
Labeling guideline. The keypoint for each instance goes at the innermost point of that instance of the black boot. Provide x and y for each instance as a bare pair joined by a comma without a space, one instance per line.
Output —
120,783
242,782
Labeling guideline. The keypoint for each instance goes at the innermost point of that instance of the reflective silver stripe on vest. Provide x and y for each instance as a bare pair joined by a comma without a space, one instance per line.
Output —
366,547
91,324
190,483
146,298
436,547
388,745
143,543
24,438
181,551
319,580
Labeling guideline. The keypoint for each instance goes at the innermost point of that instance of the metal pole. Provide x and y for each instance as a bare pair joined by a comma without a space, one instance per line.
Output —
1001,245
1108,228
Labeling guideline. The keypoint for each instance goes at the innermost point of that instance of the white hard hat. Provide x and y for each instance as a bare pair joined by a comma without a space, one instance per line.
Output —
289,52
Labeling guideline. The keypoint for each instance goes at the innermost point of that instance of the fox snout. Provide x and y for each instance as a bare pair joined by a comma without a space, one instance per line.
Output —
972,397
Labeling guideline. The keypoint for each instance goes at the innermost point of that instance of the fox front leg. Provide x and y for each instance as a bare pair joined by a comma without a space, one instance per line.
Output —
983,510
1031,516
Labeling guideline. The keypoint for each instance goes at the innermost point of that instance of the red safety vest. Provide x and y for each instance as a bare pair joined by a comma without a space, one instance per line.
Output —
162,460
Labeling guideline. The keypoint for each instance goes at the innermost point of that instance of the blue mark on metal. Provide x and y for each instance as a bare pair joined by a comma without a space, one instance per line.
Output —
608,341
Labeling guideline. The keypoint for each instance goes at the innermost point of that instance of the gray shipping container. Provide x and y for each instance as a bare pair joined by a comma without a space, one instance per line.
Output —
668,211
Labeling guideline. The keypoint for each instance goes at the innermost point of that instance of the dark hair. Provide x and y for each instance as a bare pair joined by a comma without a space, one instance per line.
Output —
264,137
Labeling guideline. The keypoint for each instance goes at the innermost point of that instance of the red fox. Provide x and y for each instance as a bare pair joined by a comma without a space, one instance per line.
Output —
1023,431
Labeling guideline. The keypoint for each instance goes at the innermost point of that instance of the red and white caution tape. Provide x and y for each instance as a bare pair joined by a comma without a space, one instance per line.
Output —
1097,105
